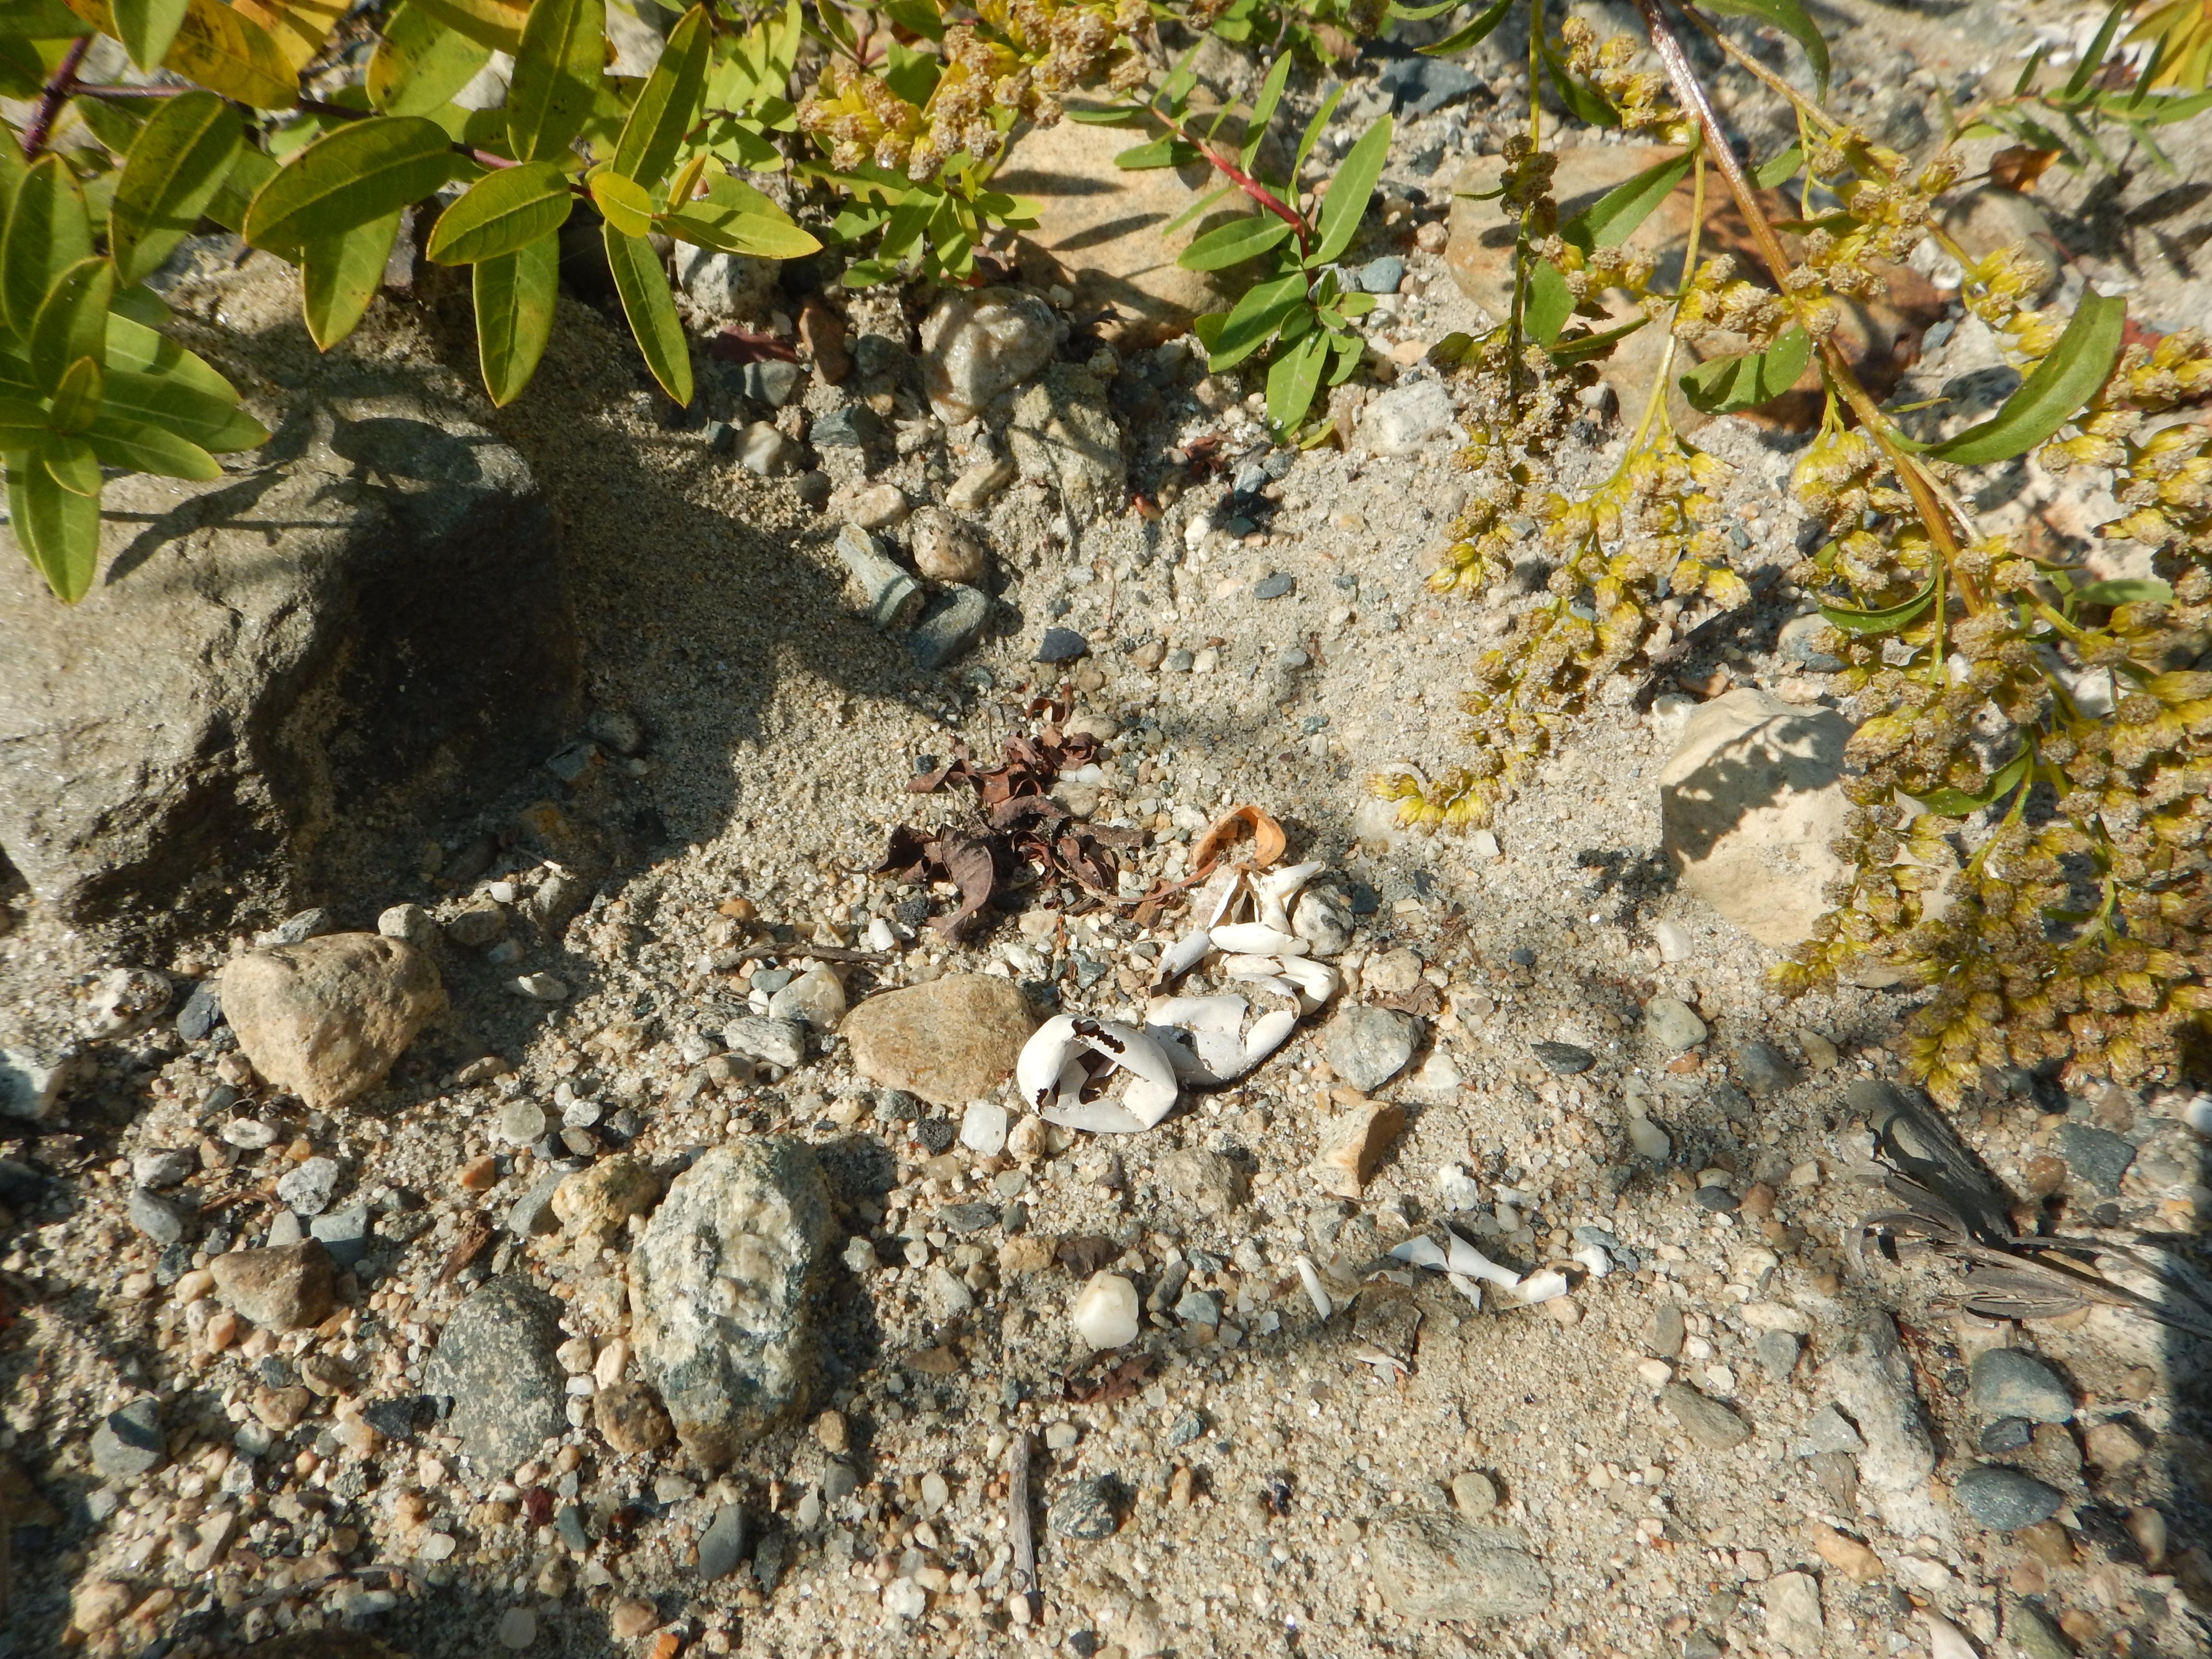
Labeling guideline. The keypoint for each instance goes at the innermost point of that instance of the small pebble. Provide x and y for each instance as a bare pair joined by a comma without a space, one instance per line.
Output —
2006,1499
518,1628
1105,1311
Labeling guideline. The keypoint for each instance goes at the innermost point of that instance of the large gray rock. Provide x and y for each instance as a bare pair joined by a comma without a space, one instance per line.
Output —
326,1017
1748,805
1868,1375
1062,436
1430,1566
196,730
494,1360
724,1288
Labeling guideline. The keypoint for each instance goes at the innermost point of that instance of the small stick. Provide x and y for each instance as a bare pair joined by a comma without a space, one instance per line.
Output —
1018,1534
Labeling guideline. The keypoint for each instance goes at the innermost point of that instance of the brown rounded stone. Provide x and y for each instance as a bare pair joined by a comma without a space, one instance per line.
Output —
951,1040
630,1419
282,1289
325,1018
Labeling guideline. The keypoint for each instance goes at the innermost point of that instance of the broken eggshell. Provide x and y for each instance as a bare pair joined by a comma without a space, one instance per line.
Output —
1057,1063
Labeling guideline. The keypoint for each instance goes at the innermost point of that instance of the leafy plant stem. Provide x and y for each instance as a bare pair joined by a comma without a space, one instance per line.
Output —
1655,401
1515,369
1226,166
56,94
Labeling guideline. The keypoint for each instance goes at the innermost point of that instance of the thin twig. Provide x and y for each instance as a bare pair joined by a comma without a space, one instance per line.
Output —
56,94
1019,1536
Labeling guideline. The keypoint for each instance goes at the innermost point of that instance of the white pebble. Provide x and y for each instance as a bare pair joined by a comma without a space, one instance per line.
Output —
540,987
1458,1189
1673,940
1543,1286
1648,1140
904,1599
1105,1311
984,1127
1314,1294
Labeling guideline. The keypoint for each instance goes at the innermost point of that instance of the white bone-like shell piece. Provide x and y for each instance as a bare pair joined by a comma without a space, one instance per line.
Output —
1311,1280
1100,1117
1222,1054
1043,1057
1316,981
1243,966
1273,984
1544,1286
1181,1048
1185,954
1419,1251
1073,1078
1059,1044
1461,1257
1593,1256
1222,1012
1268,1033
1275,891
1470,1288
1257,939
1217,900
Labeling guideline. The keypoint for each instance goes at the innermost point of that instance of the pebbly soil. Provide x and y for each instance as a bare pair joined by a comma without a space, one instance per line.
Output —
1256,1461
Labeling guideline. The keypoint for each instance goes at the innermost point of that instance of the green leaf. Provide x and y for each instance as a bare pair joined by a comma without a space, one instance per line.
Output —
22,423
1234,242
362,173
176,165
1570,352
1293,379
1843,618
72,321
1791,19
503,211
70,463
421,61
2053,393
650,309
1612,218
1311,135
22,72
214,423
668,103
557,75
2093,59
2125,589
514,295
1164,152
48,231
136,446
912,75
1473,33
77,398
1342,209
1584,103
40,20
147,27
733,217
339,275
1779,171
134,348
1957,803
1253,319
251,170
1548,303
1727,385
57,529
1263,108
917,15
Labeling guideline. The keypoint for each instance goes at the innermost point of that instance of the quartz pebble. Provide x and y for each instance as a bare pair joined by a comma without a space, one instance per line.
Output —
1105,1311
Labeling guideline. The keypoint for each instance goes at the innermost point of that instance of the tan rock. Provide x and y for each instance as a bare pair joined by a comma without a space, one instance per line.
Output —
630,1419
283,1409
1102,230
1748,805
325,1018
943,551
98,1604
951,1040
1022,1255
1353,1143
285,1288
630,1619
595,1202
1848,1556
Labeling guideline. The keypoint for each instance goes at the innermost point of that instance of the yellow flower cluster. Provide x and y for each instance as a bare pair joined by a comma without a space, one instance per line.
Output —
1717,301
1636,93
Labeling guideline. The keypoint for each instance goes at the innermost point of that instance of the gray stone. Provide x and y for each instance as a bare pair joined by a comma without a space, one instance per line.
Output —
1323,920
1778,1350
2007,1383
409,923
163,1169
724,1288
1382,275
309,1185
890,597
726,287
2006,1436
1797,642
1762,1069
979,344
1436,1568
1062,436
1089,1509
1061,645
2097,1157
495,1359
285,1229
31,1084
949,628
346,1234
773,1042
1210,1181
2006,1499
1749,803
1275,587
848,426
154,1216
768,453
1190,1426
328,1017
1830,1430
300,926
1672,1025
1403,419
1871,1379
1422,85
1708,1422
772,381
968,1218
1368,1046
202,1012
477,925
1794,1621
128,1444
2033,1633
723,1546
1666,1332
1563,1058
193,731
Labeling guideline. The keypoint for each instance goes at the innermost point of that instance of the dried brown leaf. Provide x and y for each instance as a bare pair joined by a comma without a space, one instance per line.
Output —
1118,1383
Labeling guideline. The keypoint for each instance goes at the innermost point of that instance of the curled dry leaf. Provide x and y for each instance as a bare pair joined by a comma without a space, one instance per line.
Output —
2017,167
1119,1384
1230,833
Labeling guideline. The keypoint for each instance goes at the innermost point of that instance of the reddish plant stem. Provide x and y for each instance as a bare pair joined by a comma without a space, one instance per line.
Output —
56,94
1243,181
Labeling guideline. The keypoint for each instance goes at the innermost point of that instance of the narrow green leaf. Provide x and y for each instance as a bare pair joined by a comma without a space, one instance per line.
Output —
1548,303
22,423
70,462
1234,242
2027,70
2053,393
911,73
41,20
557,75
2125,589
339,275
1957,803
72,321
48,231
57,529
214,423
505,209
1791,19
356,175
1311,135
1727,385
76,397
420,62
1263,108
175,166
1398,13
668,103
147,27
1164,152
251,170
138,447
1349,191
1349,350
1252,321
514,296
650,309
918,16
1586,104
1779,172
1197,210
1473,33
733,230
1570,352
1293,379
1847,620
2093,59
1612,218
132,347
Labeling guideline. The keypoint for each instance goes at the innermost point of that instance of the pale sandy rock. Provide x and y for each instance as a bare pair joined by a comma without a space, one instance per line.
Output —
326,1018
1351,1145
951,1040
